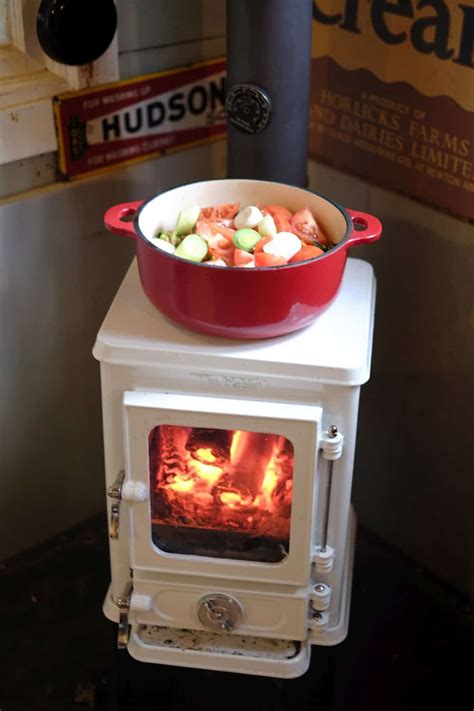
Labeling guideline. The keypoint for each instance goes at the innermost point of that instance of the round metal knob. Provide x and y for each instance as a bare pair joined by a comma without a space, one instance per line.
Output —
220,612
76,32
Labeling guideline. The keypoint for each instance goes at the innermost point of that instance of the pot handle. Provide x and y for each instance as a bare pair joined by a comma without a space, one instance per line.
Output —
365,228
119,218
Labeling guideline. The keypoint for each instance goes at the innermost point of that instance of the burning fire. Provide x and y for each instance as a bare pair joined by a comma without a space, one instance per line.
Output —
222,480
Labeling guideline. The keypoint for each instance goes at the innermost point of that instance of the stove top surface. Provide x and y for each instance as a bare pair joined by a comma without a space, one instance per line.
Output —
336,348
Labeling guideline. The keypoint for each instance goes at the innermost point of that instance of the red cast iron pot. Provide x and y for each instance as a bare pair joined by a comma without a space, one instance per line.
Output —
232,301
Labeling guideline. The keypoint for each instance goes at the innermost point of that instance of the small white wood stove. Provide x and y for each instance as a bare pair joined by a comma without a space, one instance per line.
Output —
229,468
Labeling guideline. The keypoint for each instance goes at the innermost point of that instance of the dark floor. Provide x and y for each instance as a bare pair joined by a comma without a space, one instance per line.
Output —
410,643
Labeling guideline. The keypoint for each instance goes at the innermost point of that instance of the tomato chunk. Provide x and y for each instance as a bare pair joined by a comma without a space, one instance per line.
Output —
219,239
305,226
207,228
281,216
280,210
225,212
243,258
261,244
306,252
262,259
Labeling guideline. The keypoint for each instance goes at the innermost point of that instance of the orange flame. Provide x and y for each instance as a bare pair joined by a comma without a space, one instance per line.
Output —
205,455
250,490
207,472
230,498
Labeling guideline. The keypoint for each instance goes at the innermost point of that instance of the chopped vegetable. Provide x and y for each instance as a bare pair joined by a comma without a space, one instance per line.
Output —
170,237
219,239
163,245
283,212
207,227
246,239
220,213
323,247
284,244
187,219
243,258
281,215
260,245
305,226
262,259
267,227
248,217
255,236
306,252
193,247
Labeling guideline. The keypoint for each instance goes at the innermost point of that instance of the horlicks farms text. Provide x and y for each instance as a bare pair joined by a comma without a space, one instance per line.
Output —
393,95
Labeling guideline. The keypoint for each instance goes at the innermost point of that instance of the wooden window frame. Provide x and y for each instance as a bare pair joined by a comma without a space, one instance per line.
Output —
29,80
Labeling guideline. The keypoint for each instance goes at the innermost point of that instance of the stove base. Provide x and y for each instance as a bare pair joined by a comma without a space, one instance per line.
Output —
232,653
219,652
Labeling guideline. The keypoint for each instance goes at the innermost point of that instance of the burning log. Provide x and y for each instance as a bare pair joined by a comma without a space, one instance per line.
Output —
250,456
171,461
222,480
210,446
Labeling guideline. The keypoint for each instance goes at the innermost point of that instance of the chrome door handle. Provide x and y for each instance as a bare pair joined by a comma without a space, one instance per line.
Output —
115,492
123,604
114,521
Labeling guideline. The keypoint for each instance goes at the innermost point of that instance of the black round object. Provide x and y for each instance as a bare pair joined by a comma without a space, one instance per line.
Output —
76,32
248,107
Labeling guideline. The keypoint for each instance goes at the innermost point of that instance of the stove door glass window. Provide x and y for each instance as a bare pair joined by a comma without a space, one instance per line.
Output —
221,493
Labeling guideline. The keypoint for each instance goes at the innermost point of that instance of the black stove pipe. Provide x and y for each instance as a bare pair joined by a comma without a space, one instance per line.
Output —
268,82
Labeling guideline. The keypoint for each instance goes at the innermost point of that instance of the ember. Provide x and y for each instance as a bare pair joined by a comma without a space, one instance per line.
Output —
220,480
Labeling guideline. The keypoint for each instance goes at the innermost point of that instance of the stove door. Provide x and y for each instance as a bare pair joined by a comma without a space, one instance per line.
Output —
220,487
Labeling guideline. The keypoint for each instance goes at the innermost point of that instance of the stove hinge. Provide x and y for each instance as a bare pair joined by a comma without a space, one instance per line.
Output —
123,604
121,490
332,442
323,555
127,602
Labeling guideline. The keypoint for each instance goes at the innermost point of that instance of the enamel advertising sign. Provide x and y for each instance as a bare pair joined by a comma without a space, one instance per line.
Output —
122,123
392,96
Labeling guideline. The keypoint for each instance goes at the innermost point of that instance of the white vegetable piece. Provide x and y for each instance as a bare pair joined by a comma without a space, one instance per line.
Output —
162,244
217,263
248,217
267,227
284,244
187,219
